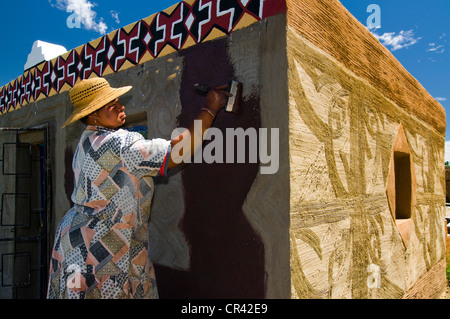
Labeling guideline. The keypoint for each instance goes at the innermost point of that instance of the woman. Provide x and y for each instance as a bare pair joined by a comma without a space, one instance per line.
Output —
100,248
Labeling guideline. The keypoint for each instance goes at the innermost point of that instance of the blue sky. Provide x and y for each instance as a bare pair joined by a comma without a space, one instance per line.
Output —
23,22
416,31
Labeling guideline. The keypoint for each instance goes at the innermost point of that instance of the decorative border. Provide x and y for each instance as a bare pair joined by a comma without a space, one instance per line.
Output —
185,24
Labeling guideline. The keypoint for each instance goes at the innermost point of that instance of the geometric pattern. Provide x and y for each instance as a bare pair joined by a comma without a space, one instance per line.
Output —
183,25
100,248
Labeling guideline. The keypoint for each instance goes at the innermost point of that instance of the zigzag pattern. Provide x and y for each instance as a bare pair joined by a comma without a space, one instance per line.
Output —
188,23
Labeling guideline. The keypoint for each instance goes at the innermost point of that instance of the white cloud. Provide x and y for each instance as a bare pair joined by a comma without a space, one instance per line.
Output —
83,9
440,99
436,48
373,28
115,15
398,41
447,151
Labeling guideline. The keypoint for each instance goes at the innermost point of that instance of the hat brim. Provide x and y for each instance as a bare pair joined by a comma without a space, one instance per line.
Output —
96,104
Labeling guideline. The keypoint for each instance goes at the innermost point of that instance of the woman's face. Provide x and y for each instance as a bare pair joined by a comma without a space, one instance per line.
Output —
112,115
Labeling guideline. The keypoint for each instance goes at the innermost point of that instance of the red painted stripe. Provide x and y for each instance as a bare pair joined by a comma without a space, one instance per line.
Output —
274,7
162,168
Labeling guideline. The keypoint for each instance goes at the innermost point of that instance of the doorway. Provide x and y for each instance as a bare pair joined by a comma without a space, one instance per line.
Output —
24,211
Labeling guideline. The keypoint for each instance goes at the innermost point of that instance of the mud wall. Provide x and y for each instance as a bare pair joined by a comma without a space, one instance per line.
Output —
347,124
327,223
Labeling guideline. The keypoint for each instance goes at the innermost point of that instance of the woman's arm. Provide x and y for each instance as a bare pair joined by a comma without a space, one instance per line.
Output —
215,100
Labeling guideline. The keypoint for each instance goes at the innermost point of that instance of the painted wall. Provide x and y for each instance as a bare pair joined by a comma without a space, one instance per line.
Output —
208,220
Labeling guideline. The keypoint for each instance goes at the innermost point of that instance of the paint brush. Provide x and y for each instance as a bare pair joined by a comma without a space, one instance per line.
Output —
233,102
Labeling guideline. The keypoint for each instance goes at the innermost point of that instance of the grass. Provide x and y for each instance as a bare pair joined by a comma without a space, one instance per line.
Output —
448,274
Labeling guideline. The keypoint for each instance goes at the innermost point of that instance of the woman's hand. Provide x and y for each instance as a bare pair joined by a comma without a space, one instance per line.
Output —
216,98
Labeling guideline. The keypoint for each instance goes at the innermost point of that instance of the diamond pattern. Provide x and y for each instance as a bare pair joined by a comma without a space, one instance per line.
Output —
108,161
108,244
113,242
108,188
193,20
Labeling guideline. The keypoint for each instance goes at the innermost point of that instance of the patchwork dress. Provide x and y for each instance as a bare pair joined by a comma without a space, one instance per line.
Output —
100,248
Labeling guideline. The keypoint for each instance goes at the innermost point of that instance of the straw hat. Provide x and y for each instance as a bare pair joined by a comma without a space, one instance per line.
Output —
90,95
